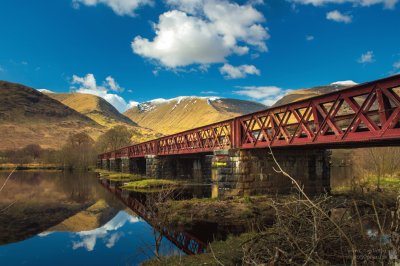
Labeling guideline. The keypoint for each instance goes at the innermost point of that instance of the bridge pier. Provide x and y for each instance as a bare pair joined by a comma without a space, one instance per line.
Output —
153,168
124,165
195,167
252,171
112,165
105,164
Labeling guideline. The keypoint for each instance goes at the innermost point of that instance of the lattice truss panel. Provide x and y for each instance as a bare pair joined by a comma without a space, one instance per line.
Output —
203,139
141,149
366,114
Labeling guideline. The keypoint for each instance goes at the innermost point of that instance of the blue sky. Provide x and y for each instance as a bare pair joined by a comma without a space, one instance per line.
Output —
138,50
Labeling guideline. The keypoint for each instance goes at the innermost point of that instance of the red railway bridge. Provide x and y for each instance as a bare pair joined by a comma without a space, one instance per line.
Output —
234,152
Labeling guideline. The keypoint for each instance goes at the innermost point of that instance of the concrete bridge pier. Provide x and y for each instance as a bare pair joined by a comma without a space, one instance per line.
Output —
252,171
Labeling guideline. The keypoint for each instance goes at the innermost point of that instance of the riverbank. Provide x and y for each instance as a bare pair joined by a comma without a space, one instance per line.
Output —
30,166
325,229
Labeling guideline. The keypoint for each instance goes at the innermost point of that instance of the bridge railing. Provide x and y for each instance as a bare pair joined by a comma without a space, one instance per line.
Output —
368,112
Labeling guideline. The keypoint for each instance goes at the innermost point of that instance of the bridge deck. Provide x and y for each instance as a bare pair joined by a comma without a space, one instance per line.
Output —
363,115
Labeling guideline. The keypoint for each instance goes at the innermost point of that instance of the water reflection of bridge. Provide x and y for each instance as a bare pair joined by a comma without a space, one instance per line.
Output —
183,240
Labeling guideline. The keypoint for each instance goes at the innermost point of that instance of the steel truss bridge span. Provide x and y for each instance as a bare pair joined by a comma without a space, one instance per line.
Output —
367,114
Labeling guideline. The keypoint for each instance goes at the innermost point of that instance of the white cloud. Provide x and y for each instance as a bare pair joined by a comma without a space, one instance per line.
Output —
132,104
388,4
368,57
335,15
113,239
88,84
344,83
310,38
110,81
232,72
203,32
45,91
396,65
268,95
209,92
120,7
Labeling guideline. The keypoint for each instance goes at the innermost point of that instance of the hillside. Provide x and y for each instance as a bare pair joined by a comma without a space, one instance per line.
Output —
298,95
28,116
186,112
94,107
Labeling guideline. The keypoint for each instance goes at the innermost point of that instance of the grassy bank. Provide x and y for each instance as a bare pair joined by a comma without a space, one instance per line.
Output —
151,184
118,176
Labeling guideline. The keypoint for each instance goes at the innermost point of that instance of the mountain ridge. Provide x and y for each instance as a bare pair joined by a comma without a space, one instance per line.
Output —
169,116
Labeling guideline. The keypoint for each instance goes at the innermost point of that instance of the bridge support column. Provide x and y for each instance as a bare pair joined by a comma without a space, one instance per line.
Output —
104,164
124,165
113,165
252,171
153,166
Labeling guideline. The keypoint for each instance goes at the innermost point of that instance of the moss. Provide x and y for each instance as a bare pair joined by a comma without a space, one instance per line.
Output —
152,183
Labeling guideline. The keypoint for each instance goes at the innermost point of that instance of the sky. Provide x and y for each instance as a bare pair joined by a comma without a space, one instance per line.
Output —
130,51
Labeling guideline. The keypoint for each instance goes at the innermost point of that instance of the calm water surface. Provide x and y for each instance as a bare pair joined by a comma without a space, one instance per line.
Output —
55,218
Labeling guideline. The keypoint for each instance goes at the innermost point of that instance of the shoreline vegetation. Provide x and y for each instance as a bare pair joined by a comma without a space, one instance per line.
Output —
31,166
288,229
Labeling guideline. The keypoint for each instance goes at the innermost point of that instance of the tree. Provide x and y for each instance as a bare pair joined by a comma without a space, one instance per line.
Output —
78,152
114,138
32,150
378,162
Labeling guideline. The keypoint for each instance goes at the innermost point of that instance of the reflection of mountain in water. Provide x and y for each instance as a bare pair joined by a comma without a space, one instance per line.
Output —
108,233
34,202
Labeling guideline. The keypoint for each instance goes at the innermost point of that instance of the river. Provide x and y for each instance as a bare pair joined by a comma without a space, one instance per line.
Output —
56,218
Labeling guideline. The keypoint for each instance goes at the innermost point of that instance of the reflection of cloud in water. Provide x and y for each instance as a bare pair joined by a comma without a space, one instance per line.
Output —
43,234
88,239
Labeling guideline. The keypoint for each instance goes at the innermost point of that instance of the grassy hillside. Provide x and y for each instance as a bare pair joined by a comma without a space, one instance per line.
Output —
303,94
182,113
94,107
28,116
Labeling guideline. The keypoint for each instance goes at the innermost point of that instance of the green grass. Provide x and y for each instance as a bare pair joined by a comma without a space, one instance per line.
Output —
390,182
151,183
117,176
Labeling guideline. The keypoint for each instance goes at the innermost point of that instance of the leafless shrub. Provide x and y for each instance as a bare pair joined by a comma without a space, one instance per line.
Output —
323,231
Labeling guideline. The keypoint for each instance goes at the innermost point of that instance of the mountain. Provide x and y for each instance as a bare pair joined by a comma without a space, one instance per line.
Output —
93,107
186,112
102,112
28,116
303,94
